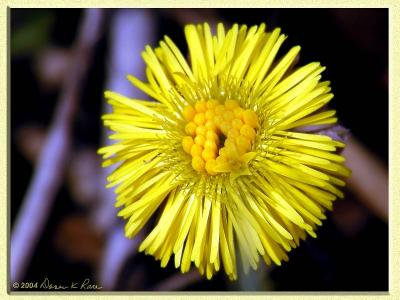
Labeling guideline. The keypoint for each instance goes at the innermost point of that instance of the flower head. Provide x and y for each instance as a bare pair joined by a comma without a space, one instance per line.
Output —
218,154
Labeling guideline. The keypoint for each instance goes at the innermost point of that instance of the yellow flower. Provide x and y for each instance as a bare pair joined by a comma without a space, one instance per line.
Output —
217,154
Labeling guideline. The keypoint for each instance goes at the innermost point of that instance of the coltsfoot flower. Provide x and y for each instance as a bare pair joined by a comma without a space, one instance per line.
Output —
218,155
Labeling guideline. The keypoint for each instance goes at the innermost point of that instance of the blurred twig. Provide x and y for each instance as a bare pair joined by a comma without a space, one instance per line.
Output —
50,168
369,179
130,31
178,281
82,172
118,249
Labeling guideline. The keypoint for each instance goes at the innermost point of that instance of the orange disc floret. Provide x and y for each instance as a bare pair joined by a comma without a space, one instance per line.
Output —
190,128
187,143
248,131
198,163
210,166
196,150
237,124
238,111
229,115
250,118
211,104
200,140
211,145
212,136
208,154
210,123
231,104
199,118
201,106
225,127
243,144
210,114
201,130
188,113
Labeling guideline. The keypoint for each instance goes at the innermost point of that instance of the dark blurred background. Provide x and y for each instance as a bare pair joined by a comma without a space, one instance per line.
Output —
351,251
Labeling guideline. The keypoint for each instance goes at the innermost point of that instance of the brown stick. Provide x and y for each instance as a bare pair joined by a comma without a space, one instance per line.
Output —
130,31
178,281
50,169
369,179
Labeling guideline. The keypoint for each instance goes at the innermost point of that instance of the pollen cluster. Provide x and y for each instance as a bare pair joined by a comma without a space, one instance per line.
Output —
218,135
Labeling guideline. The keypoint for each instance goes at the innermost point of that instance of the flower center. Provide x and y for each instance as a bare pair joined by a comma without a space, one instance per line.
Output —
219,135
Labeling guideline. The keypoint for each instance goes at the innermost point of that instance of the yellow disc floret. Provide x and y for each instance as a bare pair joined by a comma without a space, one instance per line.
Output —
196,150
199,118
218,135
250,118
189,113
200,130
248,131
200,140
191,128
201,106
198,163
187,143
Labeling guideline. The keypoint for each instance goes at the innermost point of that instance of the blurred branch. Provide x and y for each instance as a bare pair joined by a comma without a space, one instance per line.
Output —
117,251
178,281
51,165
369,179
82,172
131,30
